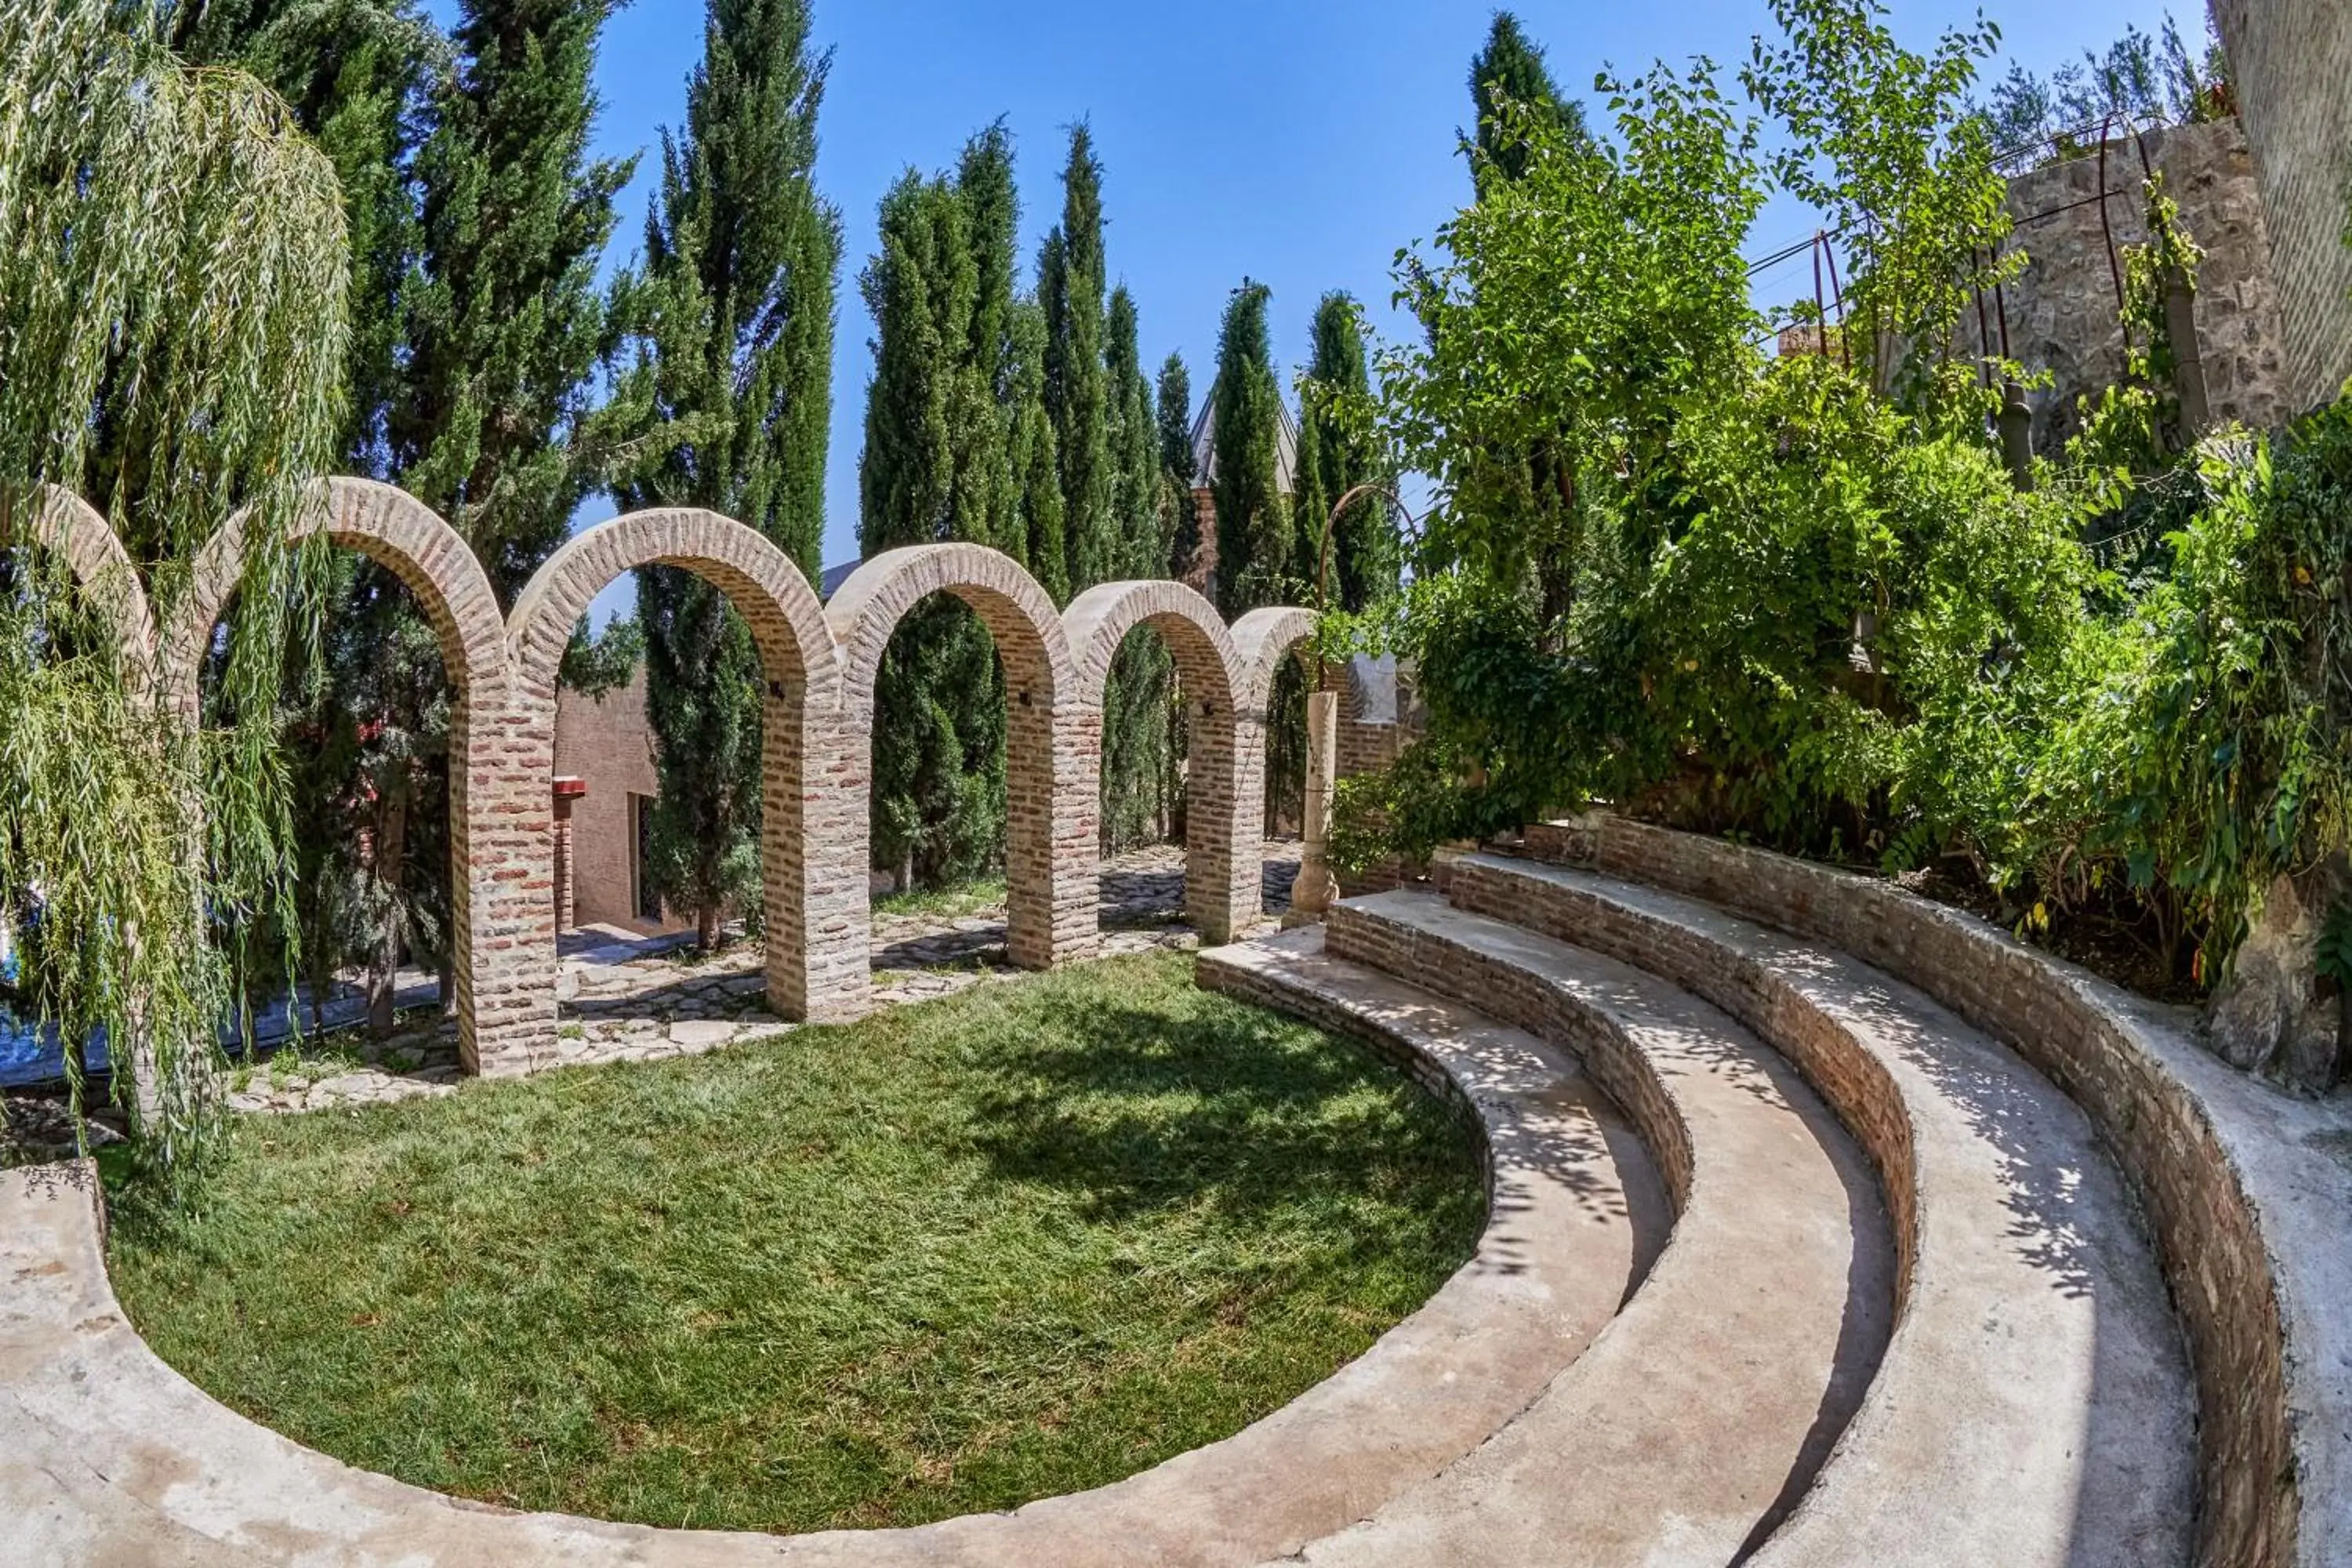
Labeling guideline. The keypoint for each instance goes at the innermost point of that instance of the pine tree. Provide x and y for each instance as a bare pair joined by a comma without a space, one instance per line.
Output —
729,398
1175,420
1332,461
1254,550
1511,66
1070,282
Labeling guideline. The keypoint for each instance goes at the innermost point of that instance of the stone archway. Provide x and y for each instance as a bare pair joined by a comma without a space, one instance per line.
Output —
1221,868
504,1003
1051,752
812,868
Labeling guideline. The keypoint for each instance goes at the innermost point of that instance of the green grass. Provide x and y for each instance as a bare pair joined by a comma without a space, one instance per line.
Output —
954,901
1022,1241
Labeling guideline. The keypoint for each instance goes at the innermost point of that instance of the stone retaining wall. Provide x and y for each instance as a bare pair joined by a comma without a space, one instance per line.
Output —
2246,1190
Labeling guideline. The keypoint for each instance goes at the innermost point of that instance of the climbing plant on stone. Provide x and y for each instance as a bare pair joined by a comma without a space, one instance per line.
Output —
172,272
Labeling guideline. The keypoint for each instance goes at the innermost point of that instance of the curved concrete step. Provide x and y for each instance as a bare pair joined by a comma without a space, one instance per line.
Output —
1697,1418
2034,1408
108,1456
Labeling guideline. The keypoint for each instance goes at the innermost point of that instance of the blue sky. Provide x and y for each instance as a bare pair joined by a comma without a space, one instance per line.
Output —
1298,143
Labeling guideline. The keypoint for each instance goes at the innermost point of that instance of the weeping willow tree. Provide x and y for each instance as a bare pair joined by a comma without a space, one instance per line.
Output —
171,335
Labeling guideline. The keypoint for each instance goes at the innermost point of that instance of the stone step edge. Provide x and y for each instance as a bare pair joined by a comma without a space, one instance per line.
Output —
1390,931
1670,935
2247,1189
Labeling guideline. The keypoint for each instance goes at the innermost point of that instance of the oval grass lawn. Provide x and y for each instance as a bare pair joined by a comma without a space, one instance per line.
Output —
1023,1241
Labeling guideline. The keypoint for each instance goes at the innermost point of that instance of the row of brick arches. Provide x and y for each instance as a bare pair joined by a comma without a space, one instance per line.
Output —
819,662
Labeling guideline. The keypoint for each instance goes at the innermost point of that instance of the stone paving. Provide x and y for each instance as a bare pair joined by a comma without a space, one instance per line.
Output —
647,1000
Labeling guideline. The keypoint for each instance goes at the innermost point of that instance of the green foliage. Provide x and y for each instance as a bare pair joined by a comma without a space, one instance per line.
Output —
945,459
725,408
1510,70
2138,80
1175,393
1809,607
173,294
1139,763
1070,280
1256,546
1335,456
1883,141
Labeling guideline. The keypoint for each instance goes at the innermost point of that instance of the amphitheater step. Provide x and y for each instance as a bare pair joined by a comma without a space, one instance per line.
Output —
1691,1424
2034,1407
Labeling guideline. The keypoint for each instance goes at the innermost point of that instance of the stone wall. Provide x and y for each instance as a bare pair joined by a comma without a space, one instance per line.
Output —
2063,312
2291,62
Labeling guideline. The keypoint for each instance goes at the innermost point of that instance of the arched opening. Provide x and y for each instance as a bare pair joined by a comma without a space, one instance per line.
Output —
410,556
1273,646
1221,896
1050,827
814,949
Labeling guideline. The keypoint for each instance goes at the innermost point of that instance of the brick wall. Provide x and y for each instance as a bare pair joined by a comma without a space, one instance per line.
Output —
2291,61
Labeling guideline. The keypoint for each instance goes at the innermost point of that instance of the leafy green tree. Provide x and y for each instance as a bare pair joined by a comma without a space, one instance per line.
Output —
136,327
1035,458
1070,282
1256,549
1510,68
1335,456
729,394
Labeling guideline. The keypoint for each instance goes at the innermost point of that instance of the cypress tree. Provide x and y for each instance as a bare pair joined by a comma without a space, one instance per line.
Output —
940,465
1036,460
1136,738
1254,550
1511,66
1175,410
730,390
1070,282
1332,461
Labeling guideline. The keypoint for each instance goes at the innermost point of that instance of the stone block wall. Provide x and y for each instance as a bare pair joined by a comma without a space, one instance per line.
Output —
2062,311
2291,62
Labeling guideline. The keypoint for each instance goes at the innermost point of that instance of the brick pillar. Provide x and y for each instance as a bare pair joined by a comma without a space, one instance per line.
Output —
567,910
502,893
1223,848
1053,833
813,855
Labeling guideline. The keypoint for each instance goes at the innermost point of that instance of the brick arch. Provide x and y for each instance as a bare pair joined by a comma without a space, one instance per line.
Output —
815,945
81,536
1223,870
1262,640
503,998
390,528
1052,738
